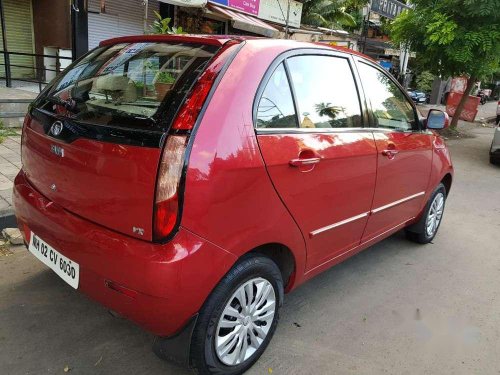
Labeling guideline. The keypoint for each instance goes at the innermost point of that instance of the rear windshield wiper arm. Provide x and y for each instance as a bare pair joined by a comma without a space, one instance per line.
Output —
69,104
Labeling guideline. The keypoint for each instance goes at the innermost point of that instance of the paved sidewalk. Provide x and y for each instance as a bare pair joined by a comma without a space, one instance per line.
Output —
10,164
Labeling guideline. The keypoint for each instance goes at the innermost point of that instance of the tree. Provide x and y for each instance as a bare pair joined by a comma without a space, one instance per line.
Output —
162,26
328,13
454,38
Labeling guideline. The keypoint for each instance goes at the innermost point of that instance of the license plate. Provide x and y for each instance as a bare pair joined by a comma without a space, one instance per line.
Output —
67,269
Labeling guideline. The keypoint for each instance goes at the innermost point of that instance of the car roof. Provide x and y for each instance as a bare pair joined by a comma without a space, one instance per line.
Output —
219,40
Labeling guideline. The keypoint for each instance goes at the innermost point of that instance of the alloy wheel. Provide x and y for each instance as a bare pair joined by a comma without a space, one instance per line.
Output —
245,321
435,214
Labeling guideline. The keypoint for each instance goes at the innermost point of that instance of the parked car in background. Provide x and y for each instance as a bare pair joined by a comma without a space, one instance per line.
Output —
498,113
495,144
192,209
419,97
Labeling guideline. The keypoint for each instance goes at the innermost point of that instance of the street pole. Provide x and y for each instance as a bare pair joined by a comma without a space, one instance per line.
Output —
79,28
146,11
366,25
403,63
6,57
287,19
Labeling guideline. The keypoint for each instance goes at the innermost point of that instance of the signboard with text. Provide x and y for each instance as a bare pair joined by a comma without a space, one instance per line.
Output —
388,8
269,10
469,111
276,11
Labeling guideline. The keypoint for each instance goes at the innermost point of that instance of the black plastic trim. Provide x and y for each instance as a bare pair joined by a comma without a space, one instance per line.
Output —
74,130
177,348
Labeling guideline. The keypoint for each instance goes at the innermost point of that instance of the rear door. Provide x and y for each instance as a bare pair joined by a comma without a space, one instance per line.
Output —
93,140
320,159
404,153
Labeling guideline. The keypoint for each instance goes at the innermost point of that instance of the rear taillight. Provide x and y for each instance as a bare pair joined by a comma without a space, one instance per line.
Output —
190,110
166,210
169,176
186,118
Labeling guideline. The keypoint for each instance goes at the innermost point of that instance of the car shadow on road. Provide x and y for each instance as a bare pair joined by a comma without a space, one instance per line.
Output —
45,326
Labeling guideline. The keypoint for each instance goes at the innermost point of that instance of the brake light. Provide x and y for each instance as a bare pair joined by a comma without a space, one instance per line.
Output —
186,118
166,210
169,176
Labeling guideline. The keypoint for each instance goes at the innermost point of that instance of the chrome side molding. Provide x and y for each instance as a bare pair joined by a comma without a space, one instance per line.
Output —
365,214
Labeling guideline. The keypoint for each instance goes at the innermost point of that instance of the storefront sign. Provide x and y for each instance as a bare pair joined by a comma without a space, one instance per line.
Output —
397,52
276,11
270,10
388,8
186,3
247,6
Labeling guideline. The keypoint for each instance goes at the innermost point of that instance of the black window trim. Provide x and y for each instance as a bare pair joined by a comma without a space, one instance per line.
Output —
416,127
292,94
305,52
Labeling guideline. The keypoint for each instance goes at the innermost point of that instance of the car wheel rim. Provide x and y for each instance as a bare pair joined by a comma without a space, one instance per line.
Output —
435,214
245,321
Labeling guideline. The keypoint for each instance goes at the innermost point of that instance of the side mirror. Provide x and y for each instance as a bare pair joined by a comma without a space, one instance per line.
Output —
437,119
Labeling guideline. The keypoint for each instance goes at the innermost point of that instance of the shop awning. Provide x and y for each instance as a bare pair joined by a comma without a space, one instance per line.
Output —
246,23
186,3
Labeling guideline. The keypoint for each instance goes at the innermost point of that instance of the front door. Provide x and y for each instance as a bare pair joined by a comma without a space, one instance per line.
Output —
320,159
404,153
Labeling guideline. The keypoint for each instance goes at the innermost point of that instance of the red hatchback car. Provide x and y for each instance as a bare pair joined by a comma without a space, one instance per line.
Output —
188,182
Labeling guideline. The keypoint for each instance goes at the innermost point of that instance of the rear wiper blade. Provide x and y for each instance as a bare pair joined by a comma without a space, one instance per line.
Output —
69,104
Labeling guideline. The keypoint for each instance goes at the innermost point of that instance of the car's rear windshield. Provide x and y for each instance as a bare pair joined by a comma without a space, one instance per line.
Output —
126,85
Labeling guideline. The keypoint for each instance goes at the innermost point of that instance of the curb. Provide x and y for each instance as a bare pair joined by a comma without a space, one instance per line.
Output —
7,219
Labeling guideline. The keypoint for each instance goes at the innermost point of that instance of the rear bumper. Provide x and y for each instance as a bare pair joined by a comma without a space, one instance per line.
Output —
168,282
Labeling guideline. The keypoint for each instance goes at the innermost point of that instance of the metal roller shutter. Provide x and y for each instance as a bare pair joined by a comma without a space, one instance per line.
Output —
121,18
19,30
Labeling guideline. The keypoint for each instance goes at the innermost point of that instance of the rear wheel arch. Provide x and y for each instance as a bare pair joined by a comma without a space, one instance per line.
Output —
446,181
282,256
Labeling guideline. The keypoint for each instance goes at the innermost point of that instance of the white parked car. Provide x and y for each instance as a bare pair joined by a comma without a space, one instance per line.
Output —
495,145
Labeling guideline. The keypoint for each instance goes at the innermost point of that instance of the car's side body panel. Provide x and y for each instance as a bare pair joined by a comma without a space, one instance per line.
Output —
229,198
402,180
331,201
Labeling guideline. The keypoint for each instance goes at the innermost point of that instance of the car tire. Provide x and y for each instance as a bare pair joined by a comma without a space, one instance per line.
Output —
209,354
427,227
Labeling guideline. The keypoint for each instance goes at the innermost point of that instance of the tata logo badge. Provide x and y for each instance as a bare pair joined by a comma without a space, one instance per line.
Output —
56,128
55,149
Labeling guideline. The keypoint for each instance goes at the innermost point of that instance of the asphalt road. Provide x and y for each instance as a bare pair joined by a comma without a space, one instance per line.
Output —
396,308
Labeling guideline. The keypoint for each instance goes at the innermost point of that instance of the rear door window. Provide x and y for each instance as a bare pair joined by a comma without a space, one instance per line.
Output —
125,84
276,109
325,90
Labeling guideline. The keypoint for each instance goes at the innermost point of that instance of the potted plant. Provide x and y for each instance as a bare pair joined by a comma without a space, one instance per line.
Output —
163,83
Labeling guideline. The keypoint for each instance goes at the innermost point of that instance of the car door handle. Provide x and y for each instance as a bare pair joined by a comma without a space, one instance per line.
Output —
390,153
304,162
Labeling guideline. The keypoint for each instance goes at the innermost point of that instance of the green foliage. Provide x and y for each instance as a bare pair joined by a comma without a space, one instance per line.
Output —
6,132
424,81
332,14
452,37
162,26
164,77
